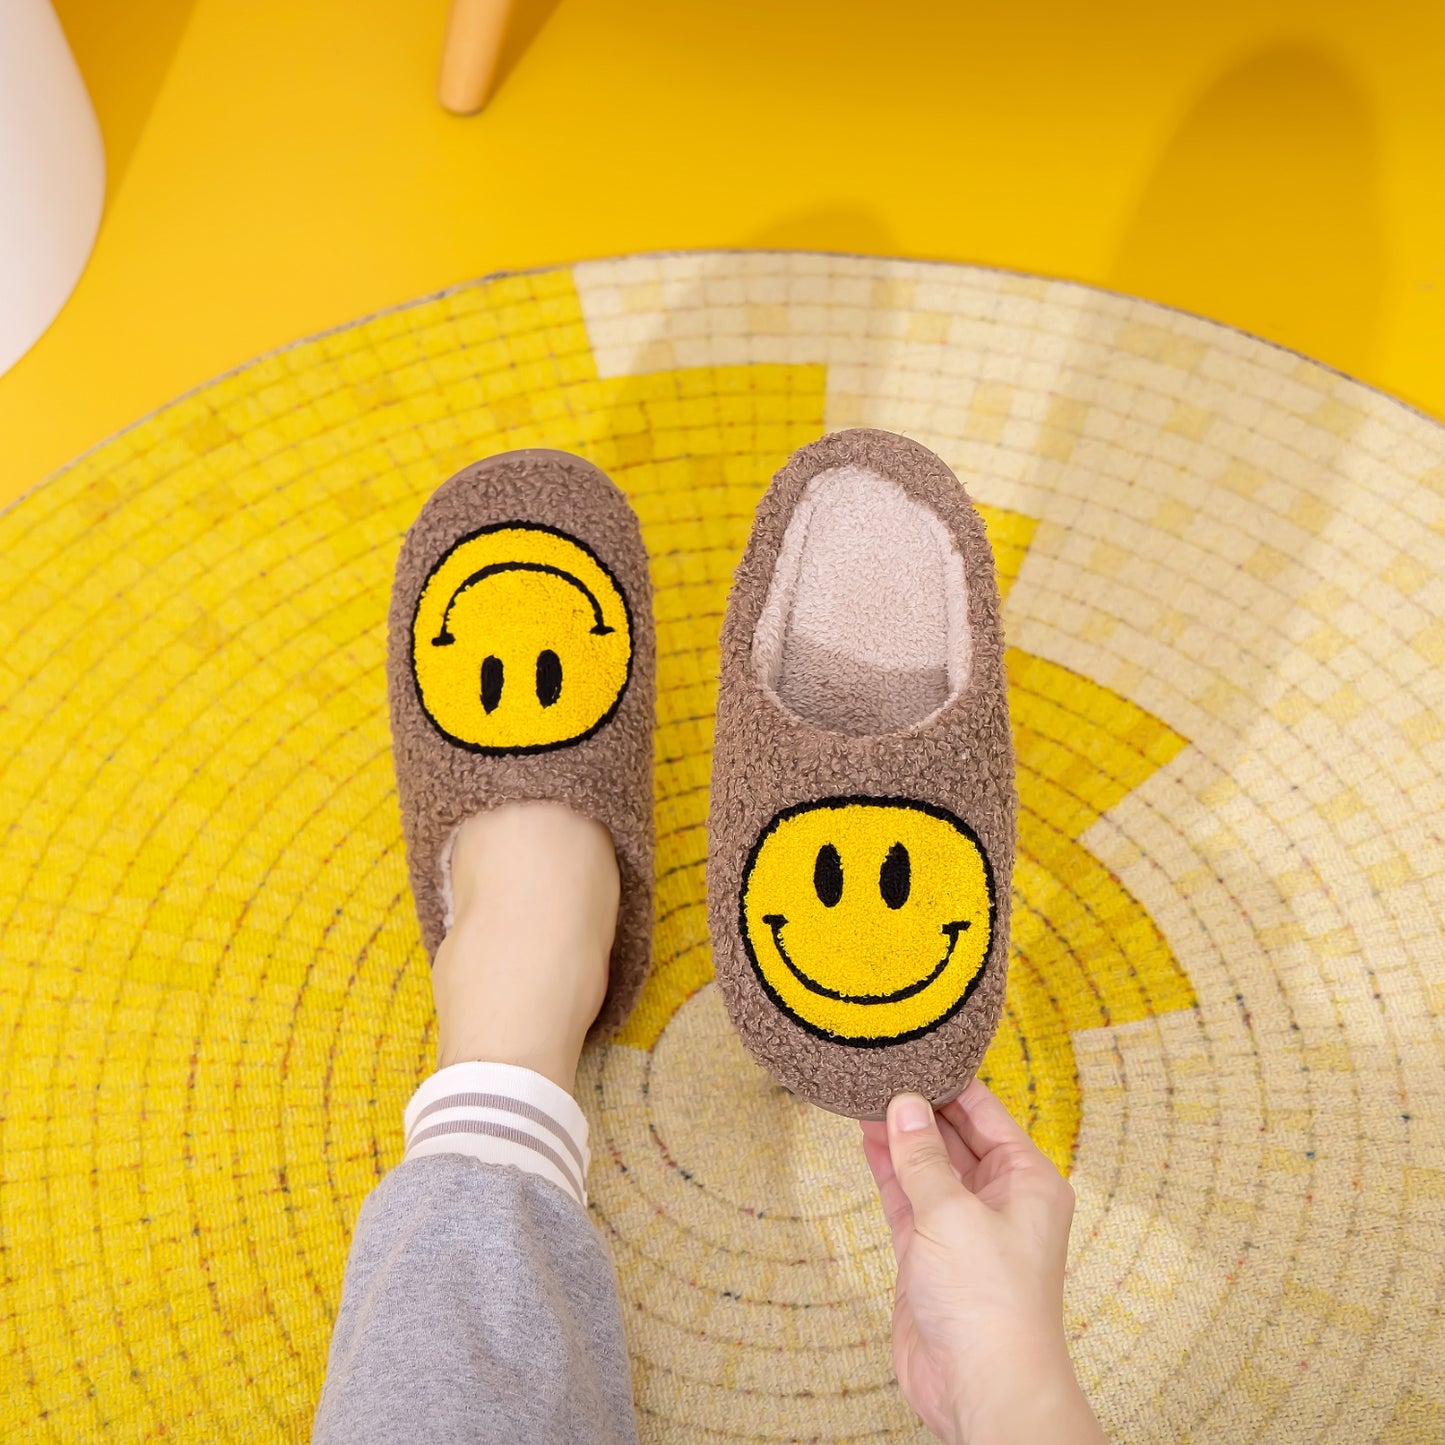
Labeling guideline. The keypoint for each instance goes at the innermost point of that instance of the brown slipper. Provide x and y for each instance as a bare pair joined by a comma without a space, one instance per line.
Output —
861,836
520,666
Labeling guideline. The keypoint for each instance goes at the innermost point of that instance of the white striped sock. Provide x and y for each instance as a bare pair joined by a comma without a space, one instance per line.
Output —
501,1114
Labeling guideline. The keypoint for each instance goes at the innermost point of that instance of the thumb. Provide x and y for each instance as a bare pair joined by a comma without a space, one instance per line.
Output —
920,1157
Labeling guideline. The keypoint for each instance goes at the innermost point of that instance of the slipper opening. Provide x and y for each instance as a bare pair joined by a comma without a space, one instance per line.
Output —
865,625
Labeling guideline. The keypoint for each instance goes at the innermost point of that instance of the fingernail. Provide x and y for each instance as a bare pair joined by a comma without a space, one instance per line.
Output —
911,1112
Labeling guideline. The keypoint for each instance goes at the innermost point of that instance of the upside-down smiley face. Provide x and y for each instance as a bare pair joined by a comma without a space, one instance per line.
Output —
521,641
868,920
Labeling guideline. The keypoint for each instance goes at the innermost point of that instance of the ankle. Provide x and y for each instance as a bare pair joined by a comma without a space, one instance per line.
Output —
523,970
493,1005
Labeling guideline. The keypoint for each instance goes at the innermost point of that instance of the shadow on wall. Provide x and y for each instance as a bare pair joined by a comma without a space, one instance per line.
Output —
123,52
1264,211
524,24
844,227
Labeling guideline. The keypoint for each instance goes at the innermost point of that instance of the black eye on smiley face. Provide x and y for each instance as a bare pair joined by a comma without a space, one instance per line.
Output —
868,921
895,876
548,679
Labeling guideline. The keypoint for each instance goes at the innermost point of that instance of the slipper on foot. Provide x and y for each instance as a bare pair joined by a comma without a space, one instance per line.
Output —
520,667
863,814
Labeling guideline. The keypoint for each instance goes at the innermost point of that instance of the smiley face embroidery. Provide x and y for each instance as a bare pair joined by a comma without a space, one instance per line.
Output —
521,641
868,920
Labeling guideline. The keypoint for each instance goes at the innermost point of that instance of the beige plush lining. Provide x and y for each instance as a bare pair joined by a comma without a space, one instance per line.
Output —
865,626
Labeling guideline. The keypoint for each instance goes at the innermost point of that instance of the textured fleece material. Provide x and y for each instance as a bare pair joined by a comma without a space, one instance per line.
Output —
479,1306
865,627
607,776
766,757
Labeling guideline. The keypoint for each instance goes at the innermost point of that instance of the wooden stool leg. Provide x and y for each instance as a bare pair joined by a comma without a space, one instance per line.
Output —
475,31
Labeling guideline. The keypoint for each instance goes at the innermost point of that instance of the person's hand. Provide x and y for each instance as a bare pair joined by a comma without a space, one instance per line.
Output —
980,1220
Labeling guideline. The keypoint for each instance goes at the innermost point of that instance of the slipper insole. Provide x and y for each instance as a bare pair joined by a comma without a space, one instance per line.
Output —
864,629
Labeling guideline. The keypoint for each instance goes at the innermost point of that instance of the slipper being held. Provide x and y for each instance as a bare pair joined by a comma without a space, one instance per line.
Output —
861,835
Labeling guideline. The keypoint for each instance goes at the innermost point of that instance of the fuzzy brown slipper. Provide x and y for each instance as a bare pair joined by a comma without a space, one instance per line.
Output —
520,667
861,837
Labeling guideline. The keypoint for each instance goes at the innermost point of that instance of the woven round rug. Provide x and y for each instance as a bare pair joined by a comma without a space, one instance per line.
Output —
1224,570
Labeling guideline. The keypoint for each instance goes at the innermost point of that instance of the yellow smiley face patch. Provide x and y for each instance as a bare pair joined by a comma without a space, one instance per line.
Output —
868,920
521,641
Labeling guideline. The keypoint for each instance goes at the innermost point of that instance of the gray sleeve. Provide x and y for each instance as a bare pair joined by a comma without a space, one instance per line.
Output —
479,1304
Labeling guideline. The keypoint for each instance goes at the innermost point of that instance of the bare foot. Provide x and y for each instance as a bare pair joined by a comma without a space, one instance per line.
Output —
523,971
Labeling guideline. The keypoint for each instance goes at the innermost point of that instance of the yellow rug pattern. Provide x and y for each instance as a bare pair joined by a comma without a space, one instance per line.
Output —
1224,570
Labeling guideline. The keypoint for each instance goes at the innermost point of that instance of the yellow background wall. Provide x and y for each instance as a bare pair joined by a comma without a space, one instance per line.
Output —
281,167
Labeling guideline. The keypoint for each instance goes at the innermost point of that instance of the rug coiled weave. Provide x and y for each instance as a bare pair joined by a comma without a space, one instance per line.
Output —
1224,569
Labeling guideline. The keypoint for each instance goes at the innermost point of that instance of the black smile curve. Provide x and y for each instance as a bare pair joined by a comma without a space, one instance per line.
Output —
775,921
599,629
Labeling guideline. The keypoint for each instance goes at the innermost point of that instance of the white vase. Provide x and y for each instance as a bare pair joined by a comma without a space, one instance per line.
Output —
52,174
